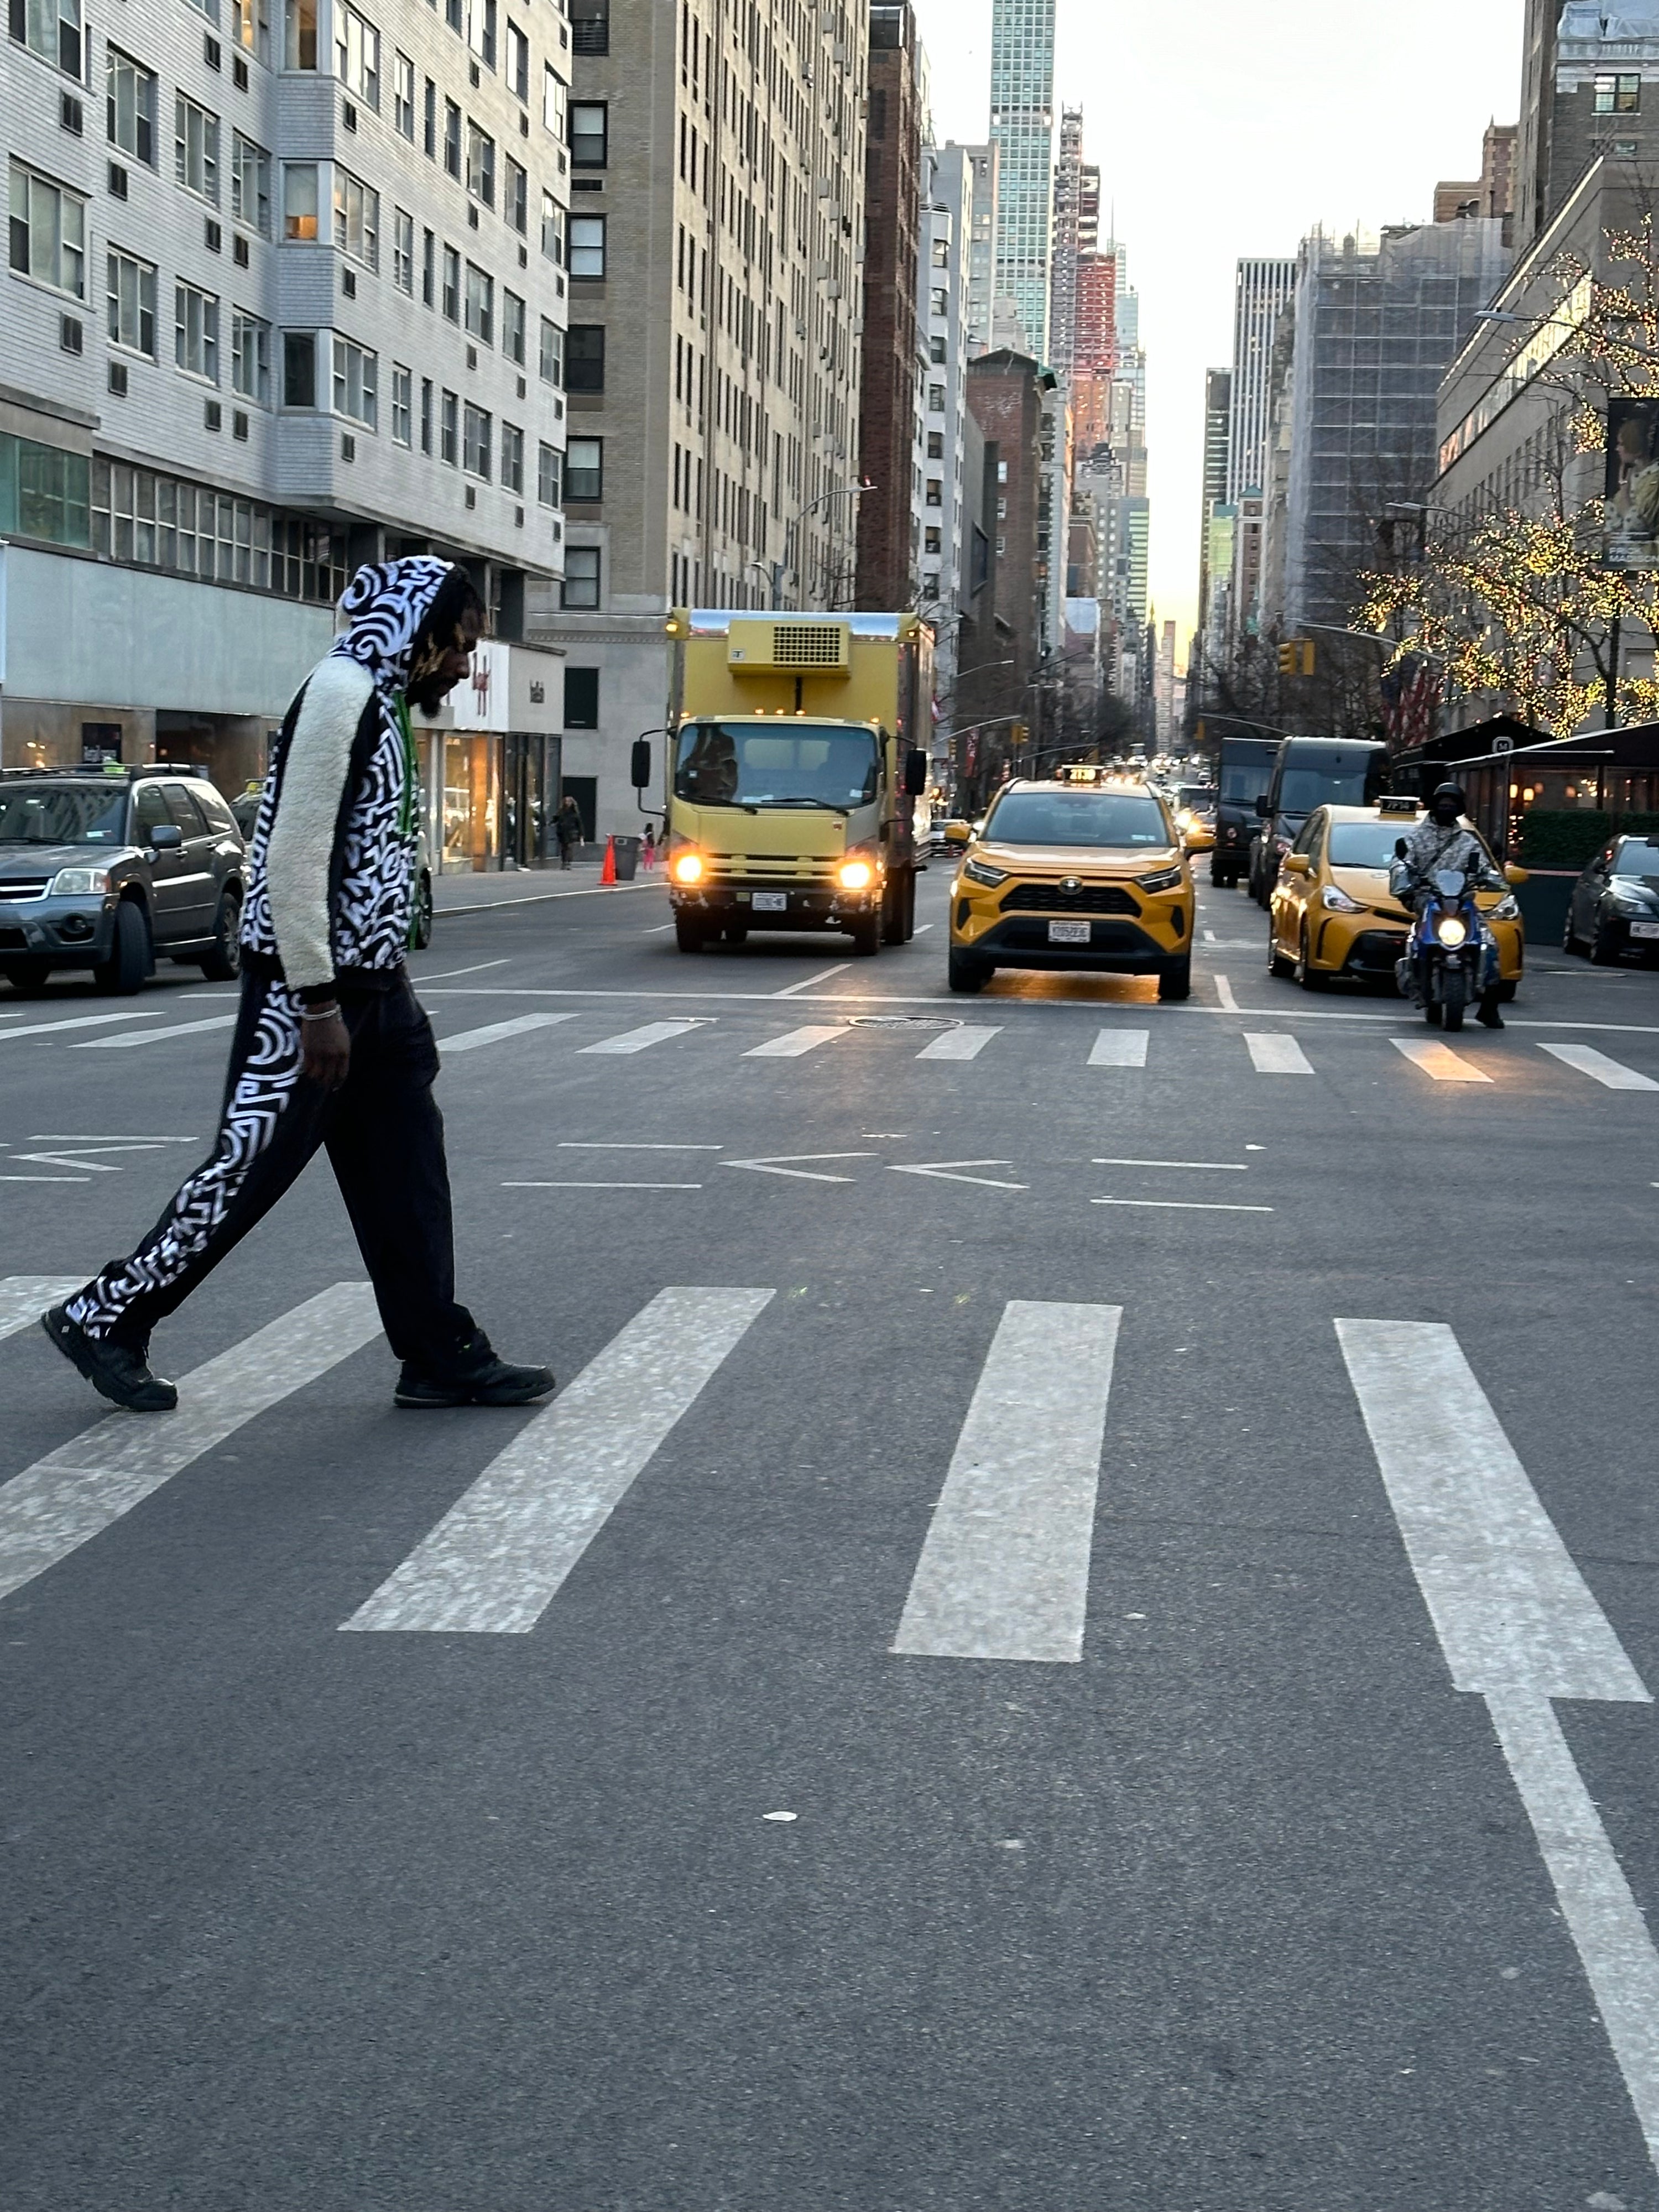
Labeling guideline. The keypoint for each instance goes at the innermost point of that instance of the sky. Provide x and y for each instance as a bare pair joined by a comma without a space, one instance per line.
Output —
1224,128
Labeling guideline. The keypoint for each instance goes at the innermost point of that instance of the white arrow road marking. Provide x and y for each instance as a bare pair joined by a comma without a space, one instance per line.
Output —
943,1169
24,1299
83,1148
1271,1054
493,1032
776,1166
1223,991
793,1043
1438,1060
1005,1571
1225,1167
1613,1073
499,1557
1520,1626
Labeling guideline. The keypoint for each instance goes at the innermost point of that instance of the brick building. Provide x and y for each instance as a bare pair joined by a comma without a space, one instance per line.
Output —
889,534
1005,396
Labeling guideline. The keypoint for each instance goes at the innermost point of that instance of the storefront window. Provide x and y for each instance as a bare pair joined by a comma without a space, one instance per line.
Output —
471,789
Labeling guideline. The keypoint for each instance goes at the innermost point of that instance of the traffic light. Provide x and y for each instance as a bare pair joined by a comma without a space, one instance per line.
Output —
1018,734
1296,657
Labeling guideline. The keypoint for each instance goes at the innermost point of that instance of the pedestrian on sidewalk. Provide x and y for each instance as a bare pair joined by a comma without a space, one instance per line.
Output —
568,829
648,851
331,1047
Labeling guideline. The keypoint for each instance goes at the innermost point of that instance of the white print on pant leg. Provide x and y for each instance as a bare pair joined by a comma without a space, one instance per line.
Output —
263,1089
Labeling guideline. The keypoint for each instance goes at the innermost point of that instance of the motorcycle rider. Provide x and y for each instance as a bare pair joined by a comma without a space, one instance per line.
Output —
1439,841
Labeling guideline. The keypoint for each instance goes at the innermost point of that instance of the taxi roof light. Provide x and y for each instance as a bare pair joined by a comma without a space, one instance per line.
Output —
1398,806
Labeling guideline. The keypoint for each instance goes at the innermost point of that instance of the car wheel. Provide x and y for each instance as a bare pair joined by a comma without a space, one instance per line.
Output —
129,961
420,919
892,912
964,973
224,964
1601,952
1570,941
1176,979
688,935
1277,963
1306,975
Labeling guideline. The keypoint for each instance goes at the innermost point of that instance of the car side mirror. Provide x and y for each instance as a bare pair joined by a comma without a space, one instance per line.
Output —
1297,863
166,837
1261,805
1514,875
958,833
916,773
639,774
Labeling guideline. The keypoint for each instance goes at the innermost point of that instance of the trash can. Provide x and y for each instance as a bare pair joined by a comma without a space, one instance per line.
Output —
628,859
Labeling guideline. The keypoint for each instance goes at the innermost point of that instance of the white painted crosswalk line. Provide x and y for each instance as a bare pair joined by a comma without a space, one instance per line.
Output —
793,1043
1611,1073
1439,1061
1120,1049
640,1040
24,1299
1005,1571
73,1493
82,1022
496,1560
155,1037
493,1032
1272,1054
959,1044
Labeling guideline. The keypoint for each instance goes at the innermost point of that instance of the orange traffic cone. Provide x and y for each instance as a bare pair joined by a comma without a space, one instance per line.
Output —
608,872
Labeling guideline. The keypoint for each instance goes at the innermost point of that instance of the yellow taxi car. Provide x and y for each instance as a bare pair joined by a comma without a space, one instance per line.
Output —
1195,815
1085,872
1331,913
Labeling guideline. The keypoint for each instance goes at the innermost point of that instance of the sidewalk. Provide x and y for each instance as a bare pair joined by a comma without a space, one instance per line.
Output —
468,894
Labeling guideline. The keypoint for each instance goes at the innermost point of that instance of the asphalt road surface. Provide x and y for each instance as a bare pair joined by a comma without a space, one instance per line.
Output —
1078,1636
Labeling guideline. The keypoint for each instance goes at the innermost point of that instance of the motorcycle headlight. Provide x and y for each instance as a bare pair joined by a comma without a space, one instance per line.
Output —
1508,909
78,883
1338,901
1164,879
981,871
1449,931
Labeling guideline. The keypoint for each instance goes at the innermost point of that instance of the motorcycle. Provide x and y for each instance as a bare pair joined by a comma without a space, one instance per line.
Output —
1445,950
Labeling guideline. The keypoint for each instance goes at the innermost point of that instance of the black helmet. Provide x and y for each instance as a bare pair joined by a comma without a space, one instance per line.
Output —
1448,796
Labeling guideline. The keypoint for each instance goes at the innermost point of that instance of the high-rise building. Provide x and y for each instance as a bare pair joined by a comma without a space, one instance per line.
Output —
718,400
889,427
1260,292
1074,183
287,292
979,280
1005,392
1218,415
950,500
1023,127
1493,192
1590,85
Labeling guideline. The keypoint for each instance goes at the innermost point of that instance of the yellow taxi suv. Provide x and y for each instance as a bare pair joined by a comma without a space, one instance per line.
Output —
1331,913
1081,872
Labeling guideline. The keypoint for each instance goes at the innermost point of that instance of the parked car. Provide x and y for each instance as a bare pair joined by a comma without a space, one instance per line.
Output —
111,871
1614,907
246,807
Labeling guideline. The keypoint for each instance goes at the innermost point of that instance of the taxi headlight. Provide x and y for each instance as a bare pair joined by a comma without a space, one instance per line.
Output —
1508,909
687,867
1186,818
78,883
1449,930
855,875
1164,879
981,871
1338,901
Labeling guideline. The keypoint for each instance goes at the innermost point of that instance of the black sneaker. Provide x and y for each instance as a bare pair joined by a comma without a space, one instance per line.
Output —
1487,1015
477,1377
115,1371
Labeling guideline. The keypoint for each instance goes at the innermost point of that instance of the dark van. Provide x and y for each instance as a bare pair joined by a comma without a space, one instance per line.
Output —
1310,772
1243,772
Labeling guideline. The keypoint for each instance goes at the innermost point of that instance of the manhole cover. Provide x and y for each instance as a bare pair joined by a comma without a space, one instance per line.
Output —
899,1022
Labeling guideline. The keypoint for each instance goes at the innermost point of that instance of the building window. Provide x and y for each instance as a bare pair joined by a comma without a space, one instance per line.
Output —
133,302
196,332
513,326
931,541
581,698
402,397
48,233
518,62
449,430
130,104
1618,95
300,45
355,370
550,355
476,426
298,368
589,134
451,138
250,185
554,94
480,164
45,493
402,250
250,25
939,300
481,30
936,445
584,357
941,247
357,218
250,357
511,457
590,26
429,121
357,54
584,469
547,475
552,230
50,29
480,305
426,415
581,588
588,245
403,96
936,398
428,269
516,198
936,349
196,149
935,492
451,290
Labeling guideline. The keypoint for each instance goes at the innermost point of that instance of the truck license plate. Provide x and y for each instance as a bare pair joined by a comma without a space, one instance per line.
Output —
770,903
1068,932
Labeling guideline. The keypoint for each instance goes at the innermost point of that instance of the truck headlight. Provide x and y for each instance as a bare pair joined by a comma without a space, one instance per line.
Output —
1338,901
687,867
78,883
855,875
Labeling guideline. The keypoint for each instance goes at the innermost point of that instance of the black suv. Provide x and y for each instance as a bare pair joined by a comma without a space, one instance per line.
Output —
108,871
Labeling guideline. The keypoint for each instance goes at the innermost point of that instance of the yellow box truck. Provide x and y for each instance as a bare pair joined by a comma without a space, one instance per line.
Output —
796,750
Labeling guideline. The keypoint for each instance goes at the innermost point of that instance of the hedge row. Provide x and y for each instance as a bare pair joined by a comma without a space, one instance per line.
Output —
1569,837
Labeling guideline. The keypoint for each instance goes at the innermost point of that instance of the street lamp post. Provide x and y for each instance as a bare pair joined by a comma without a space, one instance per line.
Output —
779,570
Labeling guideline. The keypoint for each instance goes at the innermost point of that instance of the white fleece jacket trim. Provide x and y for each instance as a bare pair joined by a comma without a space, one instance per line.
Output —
301,842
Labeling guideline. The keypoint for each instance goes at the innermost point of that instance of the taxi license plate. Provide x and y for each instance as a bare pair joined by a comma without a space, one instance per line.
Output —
771,901
1644,929
1068,932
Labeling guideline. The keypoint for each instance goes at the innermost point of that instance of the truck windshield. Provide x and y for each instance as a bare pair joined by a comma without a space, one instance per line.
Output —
1317,778
1243,775
61,813
749,764
1077,817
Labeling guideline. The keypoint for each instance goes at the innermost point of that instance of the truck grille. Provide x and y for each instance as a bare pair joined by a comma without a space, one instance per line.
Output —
1049,898
23,887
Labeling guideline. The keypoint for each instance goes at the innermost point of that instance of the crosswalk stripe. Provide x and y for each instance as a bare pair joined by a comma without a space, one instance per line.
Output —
1120,1049
498,1558
493,1032
793,1043
1439,1061
1511,1609
959,1044
640,1040
82,1022
1272,1054
1004,1573
155,1037
1612,1074
73,1493
24,1299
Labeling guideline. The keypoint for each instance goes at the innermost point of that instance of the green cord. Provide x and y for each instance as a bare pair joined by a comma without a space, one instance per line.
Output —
406,809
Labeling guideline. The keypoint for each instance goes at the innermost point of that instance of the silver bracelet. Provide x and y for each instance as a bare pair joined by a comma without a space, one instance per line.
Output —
325,1013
